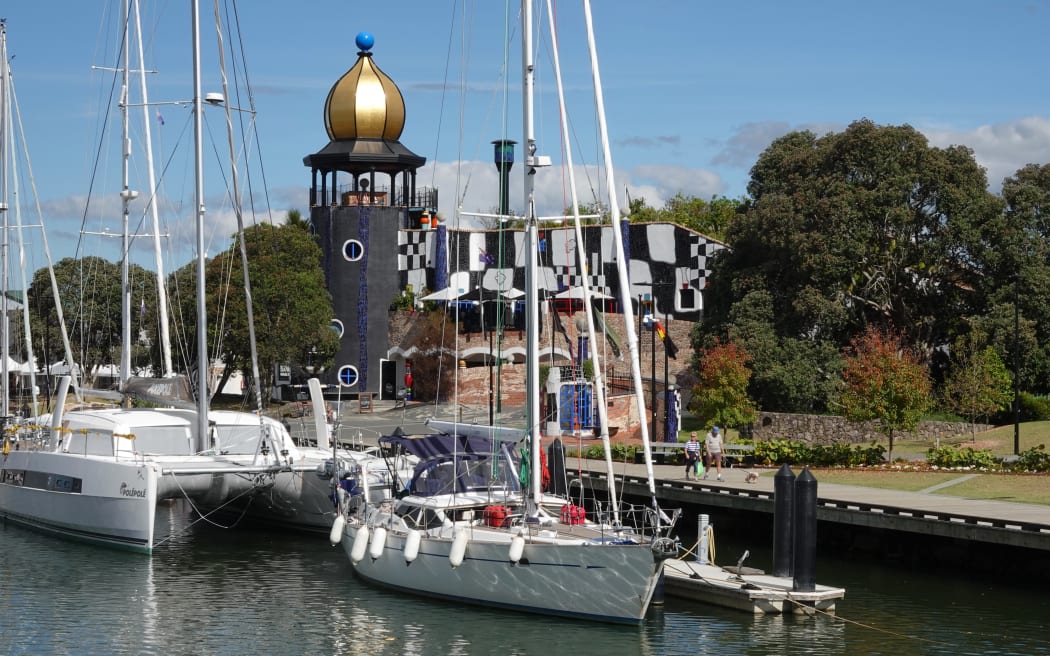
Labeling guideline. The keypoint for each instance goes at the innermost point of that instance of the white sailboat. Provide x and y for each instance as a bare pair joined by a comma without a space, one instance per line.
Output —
468,531
106,499
100,473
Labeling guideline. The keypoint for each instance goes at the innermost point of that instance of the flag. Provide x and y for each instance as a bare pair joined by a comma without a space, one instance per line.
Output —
610,335
486,258
669,346
560,327
160,117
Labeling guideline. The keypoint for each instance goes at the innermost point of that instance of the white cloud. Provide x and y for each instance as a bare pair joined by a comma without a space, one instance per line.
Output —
1001,148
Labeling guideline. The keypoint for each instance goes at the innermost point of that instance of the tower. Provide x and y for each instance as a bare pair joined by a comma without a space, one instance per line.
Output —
362,193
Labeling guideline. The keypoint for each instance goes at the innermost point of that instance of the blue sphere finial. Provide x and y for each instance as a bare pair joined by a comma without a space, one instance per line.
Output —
365,41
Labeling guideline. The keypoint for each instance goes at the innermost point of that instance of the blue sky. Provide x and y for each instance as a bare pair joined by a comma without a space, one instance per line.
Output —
694,91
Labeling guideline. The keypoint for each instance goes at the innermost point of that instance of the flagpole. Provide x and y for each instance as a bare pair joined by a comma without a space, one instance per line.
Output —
652,367
667,396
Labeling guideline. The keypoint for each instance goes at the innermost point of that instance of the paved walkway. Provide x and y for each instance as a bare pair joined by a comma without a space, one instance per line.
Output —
922,502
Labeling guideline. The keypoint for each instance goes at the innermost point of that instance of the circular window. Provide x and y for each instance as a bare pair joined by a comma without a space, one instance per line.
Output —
348,375
353,250
337,326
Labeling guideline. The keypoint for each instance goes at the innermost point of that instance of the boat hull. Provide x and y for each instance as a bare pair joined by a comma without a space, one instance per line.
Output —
295,500
300,498
607,582
94,500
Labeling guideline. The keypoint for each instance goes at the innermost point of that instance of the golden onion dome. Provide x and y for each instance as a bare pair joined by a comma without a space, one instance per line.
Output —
364,103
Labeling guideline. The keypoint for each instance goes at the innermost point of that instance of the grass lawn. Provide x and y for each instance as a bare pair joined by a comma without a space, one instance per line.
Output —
1022,488
906,481
999,440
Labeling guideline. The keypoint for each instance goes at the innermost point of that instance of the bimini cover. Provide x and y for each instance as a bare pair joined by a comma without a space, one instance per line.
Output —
443,444
173,391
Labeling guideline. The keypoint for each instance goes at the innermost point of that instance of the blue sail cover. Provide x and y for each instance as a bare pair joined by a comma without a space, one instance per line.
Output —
444,444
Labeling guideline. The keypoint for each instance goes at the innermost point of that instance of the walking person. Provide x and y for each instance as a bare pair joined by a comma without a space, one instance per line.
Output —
713,442
692,455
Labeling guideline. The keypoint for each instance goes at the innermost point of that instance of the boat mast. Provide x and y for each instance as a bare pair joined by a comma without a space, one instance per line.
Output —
532,321
198,174
5,139
599,382
8,113
235,180
162,285
621,256
13,119
126,196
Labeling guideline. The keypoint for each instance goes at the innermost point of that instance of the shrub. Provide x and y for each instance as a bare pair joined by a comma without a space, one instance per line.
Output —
952,457
1033,408
781,452
1034,459
620,452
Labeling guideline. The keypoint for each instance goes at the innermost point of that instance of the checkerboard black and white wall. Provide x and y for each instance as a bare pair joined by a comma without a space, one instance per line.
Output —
666,261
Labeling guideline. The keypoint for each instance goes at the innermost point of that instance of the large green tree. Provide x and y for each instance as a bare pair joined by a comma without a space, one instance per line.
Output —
789,374
90,293
291,306
1020,276
867,226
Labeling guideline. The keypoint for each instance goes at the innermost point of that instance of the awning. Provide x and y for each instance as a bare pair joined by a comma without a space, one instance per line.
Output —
446,294
577,293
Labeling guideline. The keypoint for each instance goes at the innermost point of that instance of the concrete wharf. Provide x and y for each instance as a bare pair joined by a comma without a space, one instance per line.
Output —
993,522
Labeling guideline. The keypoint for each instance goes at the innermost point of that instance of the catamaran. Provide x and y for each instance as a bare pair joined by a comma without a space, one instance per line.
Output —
96,475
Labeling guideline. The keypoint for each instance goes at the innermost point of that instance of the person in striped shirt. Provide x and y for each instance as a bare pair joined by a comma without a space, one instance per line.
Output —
692,455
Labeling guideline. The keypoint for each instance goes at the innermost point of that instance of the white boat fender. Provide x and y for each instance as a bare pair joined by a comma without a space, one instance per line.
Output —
412,545
459,549
378,542
517,548
335,536
357,552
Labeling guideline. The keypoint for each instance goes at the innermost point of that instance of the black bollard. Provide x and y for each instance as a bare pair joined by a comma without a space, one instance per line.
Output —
805,511
556,467
783,495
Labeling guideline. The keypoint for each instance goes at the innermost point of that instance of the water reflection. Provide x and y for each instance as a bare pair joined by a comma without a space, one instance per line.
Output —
216,591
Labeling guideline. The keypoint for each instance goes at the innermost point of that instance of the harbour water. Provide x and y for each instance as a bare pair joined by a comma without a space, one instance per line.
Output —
215,590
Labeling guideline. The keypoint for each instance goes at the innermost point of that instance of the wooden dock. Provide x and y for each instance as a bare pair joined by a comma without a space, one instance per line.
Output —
750,590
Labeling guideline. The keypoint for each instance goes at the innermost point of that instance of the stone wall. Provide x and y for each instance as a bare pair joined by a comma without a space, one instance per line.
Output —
820,429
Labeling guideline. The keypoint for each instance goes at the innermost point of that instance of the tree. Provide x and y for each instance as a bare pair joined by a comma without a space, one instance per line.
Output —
291,306
90,293
1021,273
884,381
710,218
979,384
789,374
295,218
870,226
433,363
720,392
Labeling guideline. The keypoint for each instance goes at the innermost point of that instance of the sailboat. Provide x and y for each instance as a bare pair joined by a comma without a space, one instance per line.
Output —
98,474
475,525
103,498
